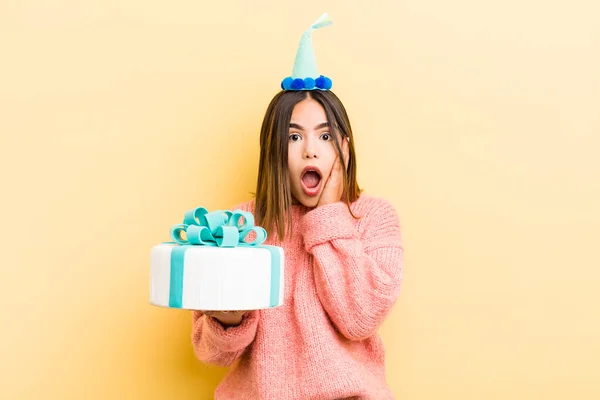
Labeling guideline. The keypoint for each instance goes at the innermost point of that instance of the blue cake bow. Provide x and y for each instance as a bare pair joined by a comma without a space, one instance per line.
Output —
218,228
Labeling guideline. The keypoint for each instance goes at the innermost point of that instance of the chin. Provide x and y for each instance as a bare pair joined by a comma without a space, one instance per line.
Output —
310,203
307,201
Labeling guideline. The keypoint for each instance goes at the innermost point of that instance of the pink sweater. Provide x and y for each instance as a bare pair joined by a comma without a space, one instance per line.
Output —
342,277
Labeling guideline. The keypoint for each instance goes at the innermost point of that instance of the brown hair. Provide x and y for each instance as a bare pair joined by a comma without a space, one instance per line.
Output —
273,195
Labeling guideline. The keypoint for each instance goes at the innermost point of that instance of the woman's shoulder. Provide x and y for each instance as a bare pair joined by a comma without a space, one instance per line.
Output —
378,215
372,205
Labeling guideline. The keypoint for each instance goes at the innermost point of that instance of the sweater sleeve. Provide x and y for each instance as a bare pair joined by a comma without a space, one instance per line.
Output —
357,275
215,344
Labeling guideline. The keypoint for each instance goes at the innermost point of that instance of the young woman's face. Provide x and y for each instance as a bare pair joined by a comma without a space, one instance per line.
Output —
311,151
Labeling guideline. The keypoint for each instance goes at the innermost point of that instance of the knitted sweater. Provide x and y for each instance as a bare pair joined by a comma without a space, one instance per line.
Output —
342,277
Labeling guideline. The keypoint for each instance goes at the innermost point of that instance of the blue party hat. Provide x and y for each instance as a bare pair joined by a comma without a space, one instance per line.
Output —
305,75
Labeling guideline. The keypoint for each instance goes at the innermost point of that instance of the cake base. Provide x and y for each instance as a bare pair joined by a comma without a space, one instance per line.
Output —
216,278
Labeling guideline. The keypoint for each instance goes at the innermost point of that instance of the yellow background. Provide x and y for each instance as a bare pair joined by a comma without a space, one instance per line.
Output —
478,120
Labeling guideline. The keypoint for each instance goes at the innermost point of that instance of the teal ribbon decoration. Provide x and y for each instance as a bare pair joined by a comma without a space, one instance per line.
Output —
218,228
222,229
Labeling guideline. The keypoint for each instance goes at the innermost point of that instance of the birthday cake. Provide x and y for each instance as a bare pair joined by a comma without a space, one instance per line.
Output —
216,266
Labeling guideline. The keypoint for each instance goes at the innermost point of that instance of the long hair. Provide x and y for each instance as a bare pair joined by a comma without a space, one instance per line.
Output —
273,194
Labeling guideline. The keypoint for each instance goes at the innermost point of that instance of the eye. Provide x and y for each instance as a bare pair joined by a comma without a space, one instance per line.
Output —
326,136
294,137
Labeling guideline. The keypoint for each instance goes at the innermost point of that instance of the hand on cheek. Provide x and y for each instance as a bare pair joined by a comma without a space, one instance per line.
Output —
334,185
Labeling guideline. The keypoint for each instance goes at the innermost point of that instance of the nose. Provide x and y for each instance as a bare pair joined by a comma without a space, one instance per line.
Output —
310,150
310,154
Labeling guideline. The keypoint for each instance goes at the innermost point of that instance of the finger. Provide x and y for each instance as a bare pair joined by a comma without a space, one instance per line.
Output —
332,191
212,313
346,151
337,166
224,313
325,184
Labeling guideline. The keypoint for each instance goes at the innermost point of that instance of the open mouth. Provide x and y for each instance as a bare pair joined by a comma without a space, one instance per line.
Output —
311,181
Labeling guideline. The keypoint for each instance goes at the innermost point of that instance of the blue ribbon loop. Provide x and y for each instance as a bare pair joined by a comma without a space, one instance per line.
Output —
218,228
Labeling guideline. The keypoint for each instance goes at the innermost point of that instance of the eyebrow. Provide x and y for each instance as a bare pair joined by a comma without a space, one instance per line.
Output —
320,126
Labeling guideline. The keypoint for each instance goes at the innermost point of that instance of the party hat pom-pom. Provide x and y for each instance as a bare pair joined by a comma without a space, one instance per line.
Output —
286,84
309,83
320,82
298,84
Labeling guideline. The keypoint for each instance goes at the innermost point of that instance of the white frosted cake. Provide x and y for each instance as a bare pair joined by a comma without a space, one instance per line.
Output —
214,267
